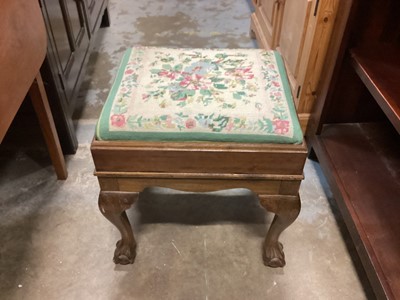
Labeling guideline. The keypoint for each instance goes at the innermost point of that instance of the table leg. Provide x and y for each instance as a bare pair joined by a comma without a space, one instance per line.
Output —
42,108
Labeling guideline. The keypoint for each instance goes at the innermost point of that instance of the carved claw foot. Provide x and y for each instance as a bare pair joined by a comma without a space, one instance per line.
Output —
113,205
273,255
124,254
286,209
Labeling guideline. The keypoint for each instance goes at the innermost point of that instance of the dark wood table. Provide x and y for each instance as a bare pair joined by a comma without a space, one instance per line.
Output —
23,43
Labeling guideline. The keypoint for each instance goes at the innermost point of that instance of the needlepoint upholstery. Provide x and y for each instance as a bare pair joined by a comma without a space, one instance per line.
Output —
221,95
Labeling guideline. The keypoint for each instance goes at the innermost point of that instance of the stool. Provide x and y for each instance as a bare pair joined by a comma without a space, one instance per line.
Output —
200,120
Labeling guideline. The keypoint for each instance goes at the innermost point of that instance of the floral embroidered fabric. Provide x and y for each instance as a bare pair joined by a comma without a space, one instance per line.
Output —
200,95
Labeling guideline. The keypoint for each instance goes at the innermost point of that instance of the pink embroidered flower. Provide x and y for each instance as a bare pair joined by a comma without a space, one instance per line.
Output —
118,120
186,81
168,122
230,126
128,72
281,126
276,83
165,73
171,75
190,123
241,73
278,94
194,82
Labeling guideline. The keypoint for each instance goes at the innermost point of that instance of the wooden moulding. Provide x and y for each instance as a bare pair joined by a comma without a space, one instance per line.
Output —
137,182
256,32
192,157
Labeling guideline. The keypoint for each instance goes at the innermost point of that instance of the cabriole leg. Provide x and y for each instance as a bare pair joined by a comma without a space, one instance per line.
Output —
113,205
286,209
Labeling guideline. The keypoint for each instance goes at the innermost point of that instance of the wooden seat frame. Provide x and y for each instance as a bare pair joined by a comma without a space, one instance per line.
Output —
272,171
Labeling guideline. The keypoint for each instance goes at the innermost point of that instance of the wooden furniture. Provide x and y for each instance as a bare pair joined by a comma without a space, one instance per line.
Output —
267,21
200,120
22,51
273,172
300,30
71,27
354,132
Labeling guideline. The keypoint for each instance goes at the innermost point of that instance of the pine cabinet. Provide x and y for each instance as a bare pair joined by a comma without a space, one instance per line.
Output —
300,30
268,16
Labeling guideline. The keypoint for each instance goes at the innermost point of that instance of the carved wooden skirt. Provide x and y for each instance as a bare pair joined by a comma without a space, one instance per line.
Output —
200,120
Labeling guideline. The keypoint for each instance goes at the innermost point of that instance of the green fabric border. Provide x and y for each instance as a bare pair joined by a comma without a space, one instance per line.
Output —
103,132
297,132
102,129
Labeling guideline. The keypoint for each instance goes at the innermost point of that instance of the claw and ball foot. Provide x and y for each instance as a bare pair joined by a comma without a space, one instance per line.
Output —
113,206
286,209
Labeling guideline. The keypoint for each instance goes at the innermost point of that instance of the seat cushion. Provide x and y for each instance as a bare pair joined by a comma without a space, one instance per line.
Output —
221,95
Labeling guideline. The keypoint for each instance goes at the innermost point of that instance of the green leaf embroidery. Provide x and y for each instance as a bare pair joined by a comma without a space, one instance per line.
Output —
205,92
178,68
220,86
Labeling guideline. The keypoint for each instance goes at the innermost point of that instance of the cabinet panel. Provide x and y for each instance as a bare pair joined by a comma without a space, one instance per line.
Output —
58,31
78,41
67,25
300,30
70,25
268,16
93,8
292,38
268,7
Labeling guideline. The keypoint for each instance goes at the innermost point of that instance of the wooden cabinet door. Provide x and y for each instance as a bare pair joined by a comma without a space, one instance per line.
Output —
266,21
303,43
269,14
70,36
73,13
93,8
292,39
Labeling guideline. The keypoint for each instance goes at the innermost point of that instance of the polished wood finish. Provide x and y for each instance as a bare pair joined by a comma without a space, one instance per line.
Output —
355,134
22,51
71,29
364,161
272,171
379,69
236,158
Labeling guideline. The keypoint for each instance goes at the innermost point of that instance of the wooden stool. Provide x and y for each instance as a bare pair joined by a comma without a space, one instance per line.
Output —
200,120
